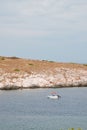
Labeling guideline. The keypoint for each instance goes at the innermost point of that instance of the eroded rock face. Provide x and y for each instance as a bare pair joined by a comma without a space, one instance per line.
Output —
63,77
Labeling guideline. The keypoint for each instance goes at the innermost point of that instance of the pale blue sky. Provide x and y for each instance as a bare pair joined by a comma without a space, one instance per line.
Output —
53,30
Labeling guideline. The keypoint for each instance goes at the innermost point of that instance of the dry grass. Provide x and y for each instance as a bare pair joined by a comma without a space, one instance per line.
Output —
14,64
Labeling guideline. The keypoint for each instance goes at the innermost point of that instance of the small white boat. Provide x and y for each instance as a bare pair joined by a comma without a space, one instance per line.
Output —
53,96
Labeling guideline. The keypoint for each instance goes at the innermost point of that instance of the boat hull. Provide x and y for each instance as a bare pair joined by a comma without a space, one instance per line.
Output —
53,97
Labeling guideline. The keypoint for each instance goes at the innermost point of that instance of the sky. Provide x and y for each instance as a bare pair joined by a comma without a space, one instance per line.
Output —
54,30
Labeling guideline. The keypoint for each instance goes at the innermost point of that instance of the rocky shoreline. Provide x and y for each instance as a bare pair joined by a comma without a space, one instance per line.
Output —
54,77
62,78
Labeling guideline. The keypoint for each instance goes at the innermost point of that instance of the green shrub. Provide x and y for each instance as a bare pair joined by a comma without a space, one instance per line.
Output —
71,129
17,70
30,64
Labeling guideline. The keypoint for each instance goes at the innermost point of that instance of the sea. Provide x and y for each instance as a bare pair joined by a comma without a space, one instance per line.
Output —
30,109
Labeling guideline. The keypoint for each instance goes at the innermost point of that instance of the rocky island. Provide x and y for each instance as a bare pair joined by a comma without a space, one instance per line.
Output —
21,73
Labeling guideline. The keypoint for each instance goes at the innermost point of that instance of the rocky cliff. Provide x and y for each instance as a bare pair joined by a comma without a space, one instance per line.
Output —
22,73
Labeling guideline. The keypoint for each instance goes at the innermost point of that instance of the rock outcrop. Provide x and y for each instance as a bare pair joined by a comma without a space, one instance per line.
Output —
57,76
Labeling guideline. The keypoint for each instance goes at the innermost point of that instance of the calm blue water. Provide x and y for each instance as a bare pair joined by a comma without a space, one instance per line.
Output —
31,109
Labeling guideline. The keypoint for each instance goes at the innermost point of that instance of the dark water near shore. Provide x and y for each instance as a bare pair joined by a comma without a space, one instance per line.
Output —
32,110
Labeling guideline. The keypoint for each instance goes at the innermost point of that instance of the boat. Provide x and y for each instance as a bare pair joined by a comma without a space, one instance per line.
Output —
54,96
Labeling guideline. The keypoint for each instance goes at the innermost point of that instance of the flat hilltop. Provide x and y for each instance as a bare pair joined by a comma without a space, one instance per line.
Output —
13,64
27,73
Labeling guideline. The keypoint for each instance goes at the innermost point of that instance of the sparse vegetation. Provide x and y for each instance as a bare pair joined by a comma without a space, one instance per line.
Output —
85,64
51,61
71,129
13,57
30,64
11,64
2,58
40,70
17,70
79,129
